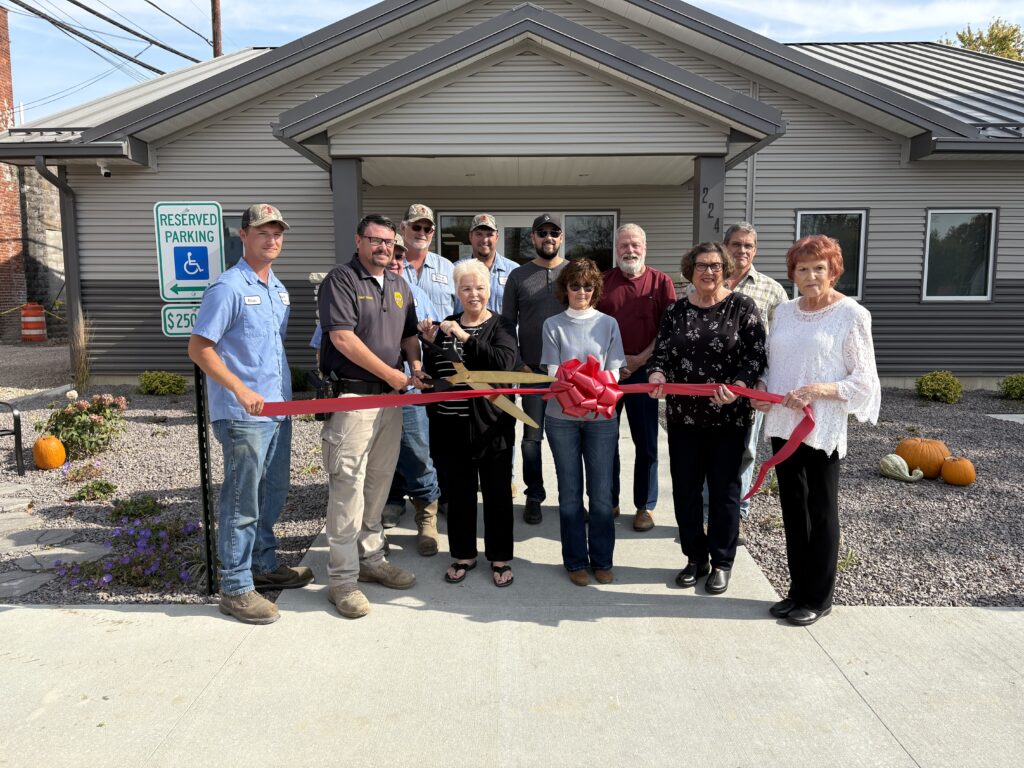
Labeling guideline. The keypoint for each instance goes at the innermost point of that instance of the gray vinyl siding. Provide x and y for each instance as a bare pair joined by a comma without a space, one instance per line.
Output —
825,160
508,107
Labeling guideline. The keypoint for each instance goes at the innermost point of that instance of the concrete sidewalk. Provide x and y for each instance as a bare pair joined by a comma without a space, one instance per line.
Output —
638,672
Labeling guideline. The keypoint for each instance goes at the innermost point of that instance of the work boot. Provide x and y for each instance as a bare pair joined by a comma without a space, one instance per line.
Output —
426,524
349,600
284,577
387,574
249,607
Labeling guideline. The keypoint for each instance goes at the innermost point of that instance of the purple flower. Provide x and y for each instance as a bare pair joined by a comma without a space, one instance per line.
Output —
107,578
162,534
107,565
58,563
89,584
145,533
125,560
72,582
62,572
184,575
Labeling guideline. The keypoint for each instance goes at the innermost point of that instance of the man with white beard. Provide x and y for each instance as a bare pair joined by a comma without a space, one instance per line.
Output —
637,296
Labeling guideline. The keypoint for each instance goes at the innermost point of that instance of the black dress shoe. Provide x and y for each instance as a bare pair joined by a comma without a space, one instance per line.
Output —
783,608
804,617
718,581
689,575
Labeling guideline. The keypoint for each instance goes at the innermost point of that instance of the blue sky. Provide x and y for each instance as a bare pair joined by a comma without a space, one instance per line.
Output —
52,72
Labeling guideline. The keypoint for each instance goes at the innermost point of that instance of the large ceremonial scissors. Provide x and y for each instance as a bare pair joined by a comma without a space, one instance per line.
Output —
482,380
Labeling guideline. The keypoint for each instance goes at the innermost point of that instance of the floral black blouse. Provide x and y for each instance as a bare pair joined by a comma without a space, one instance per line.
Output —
722,344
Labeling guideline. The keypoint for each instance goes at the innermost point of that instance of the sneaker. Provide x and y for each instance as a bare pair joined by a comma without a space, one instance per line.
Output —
532,513
283,577
349,600
392,514
387,574
249,607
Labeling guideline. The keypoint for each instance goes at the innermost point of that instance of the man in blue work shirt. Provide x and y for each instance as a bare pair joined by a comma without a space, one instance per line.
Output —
430,272
483,240
238,342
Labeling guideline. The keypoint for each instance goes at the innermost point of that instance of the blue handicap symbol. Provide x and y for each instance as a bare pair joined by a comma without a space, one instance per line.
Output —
191,262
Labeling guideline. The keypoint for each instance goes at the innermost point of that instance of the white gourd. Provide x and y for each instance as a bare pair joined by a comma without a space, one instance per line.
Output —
895,467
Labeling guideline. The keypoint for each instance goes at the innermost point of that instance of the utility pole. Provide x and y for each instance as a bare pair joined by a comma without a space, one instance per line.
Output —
218,50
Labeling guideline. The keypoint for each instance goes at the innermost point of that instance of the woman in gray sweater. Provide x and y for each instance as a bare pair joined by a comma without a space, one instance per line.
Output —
585,443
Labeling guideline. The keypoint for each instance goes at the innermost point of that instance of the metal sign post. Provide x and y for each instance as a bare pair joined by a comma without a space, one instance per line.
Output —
204,479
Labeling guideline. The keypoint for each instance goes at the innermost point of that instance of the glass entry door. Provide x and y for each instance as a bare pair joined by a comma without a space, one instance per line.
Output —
586,234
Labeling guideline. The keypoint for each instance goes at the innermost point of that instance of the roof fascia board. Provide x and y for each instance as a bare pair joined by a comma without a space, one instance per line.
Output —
530,20
252,72
796,62
134,151
315,158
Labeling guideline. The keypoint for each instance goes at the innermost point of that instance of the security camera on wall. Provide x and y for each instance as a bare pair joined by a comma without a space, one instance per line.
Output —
104,170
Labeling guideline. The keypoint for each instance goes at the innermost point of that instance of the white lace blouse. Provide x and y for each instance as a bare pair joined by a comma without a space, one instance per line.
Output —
831,345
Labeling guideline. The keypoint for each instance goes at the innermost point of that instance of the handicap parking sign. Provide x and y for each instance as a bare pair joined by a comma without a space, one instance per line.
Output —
191,262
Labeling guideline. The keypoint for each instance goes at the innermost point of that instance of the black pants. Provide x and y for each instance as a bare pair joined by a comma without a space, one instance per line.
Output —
492,475
809,492
713,454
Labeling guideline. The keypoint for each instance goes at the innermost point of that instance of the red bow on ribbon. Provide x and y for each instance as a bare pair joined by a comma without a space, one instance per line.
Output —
583,388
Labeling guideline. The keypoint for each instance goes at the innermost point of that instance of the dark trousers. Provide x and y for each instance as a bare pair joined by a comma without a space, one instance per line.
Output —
711,454
642,413
492,476
809,493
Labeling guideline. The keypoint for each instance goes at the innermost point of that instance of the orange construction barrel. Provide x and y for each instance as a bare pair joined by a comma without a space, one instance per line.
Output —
33,323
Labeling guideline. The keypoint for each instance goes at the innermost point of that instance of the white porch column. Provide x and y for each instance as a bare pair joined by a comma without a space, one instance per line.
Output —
347,189
708,198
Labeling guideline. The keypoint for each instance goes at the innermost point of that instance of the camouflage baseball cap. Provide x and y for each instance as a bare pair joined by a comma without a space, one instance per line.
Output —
418,212
399,242
260,214
484,220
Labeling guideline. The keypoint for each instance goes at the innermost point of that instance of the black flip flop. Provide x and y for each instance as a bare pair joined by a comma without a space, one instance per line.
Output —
462,569
500,569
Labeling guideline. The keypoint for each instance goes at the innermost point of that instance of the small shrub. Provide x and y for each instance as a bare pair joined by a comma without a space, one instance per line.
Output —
130,509
940,385
1013,386
83,472
154,554
95,490
86,427
161,383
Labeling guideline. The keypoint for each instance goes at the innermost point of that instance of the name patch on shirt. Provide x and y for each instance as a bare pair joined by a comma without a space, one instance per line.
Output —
284,298
253,300
439,278
502,280
365,298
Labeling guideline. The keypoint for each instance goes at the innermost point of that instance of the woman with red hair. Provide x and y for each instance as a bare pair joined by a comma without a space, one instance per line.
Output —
820,354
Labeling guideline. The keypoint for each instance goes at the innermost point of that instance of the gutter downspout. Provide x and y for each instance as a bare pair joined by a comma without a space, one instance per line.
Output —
69,242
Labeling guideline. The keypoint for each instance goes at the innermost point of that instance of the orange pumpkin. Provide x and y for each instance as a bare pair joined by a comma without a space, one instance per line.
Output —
956,470
924,454
48,452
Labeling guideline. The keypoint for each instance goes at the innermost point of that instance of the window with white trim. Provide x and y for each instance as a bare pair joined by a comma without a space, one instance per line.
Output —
850,229
959,254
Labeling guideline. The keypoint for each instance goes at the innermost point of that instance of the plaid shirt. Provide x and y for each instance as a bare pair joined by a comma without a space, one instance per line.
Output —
765,292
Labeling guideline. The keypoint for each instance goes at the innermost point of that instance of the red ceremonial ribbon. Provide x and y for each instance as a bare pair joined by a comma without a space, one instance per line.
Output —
580,388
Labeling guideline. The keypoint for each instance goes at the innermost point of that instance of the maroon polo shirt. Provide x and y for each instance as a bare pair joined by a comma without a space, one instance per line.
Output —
638,304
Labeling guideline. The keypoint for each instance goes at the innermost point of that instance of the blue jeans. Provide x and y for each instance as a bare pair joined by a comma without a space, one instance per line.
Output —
533,475
414,475
590,446
642,412
257,466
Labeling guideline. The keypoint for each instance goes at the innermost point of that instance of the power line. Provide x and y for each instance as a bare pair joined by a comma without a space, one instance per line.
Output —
139,35
179,21
69,29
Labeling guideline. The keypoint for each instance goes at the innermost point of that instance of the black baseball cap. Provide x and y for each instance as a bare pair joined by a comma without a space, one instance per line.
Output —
545,218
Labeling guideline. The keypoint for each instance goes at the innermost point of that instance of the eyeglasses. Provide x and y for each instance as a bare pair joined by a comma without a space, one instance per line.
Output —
703,267
579,287
542,233
380,241
427,228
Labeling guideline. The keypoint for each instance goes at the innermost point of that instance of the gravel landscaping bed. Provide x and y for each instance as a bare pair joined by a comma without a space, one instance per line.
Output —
923,543
155,455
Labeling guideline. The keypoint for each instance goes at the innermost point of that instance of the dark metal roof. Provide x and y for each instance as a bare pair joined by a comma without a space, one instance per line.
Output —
306,119
984,91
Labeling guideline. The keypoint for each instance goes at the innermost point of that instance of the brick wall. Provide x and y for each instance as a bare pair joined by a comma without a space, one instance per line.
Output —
12,262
